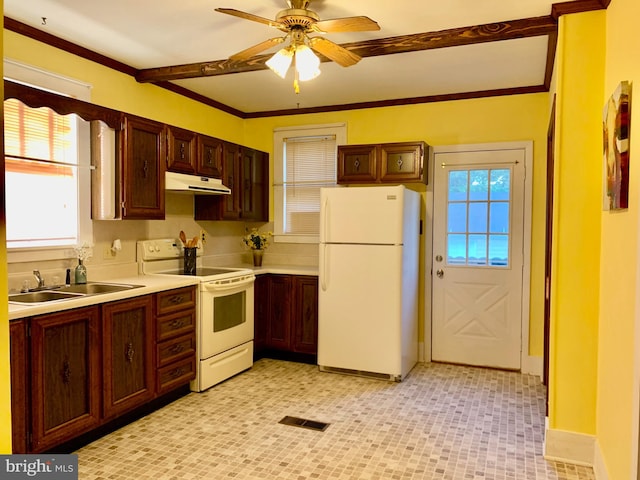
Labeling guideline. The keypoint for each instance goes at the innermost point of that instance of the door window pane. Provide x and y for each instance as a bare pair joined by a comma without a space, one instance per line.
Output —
478,217
498,250
456,249
478,184
500,184
477,250
457,218
499,217
458,185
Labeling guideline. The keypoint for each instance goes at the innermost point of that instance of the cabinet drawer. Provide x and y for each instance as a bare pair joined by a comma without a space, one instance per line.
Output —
171,350
180,323
175,300
176,374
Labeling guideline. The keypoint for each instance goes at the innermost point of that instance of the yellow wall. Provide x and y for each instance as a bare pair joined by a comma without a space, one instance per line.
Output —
5,398
500,119
577,205
121,92
619,260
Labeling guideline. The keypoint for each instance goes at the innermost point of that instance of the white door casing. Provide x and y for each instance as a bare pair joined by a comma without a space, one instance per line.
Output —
481,252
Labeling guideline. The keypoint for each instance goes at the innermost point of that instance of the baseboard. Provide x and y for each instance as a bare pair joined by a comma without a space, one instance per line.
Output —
569,447
532,366
599,467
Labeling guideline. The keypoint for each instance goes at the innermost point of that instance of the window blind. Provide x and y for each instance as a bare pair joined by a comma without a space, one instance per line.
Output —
309,163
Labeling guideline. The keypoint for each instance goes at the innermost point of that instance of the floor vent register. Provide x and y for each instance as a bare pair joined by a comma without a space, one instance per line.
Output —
304,423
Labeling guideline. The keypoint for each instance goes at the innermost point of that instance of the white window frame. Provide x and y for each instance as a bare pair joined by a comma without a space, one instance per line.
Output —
52,82
339,130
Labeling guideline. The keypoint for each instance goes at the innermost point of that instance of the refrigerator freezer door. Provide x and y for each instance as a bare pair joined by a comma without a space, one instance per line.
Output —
360,308
362,215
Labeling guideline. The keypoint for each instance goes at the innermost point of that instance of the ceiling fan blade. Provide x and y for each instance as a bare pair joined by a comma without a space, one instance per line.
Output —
334,52
347,24
260,47
250,16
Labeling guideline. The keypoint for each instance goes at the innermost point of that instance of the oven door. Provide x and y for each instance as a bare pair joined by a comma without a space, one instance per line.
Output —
225,315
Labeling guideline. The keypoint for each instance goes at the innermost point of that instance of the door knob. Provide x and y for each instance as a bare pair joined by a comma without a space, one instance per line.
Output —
440,273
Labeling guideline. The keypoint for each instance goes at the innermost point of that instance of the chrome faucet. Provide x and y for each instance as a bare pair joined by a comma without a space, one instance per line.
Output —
36,273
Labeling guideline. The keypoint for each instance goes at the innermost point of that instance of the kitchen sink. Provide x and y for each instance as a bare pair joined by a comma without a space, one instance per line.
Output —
42,296
69,292
95,288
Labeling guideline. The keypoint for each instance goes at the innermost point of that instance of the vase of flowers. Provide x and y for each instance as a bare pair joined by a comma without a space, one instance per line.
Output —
83,253
257,242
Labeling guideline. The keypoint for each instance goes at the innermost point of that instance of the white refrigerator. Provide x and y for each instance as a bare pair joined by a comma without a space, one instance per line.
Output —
368,279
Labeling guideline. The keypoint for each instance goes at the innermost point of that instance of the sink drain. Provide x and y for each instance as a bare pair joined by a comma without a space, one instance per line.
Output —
304,423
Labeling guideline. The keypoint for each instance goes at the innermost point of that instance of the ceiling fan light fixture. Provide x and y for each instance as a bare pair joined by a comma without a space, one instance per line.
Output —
280,62
307,63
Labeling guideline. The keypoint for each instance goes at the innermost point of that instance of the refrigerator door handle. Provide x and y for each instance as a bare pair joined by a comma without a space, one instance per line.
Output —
325,216
323,268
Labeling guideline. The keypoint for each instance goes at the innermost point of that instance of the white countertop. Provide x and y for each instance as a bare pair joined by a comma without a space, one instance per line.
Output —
149,284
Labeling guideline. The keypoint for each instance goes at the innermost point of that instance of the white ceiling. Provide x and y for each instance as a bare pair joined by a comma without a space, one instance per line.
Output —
157,33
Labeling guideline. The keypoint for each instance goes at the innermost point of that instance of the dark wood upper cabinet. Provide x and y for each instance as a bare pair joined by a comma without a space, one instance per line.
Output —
143,166
65,376
127,344
246,172
209,160
393,163
357,163
182,146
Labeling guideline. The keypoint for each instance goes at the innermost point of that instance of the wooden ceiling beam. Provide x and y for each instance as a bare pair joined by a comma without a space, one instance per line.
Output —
491,32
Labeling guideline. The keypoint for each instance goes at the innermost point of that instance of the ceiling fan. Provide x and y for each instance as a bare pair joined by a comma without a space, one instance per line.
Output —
297,22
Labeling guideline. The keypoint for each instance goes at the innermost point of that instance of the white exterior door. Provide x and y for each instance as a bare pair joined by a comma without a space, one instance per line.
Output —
478,257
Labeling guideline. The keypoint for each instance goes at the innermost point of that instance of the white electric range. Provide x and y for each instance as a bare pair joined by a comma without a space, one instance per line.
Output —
224,310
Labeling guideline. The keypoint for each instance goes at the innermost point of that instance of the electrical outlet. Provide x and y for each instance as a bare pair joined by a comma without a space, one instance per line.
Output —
108,253
203,236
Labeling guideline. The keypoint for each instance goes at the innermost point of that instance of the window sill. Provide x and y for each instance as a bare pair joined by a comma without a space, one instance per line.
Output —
296,239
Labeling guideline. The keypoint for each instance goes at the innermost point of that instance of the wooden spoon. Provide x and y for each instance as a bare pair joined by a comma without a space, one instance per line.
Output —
194,241
183,238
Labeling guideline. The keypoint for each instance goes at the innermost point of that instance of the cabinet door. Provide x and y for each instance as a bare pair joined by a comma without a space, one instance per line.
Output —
142,180
357,164
18,358
231,178
255,185
279,336
182,150
65,376
305,317
261,313
402,162
210,156
128,341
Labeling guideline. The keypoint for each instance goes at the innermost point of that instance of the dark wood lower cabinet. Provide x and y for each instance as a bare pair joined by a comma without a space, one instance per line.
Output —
127,346
65,376
19,368
286,316
78,373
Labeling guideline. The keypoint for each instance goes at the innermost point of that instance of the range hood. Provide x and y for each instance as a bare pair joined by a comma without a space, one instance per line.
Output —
182,183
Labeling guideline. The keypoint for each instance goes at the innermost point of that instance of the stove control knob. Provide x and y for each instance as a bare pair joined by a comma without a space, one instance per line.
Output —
151,248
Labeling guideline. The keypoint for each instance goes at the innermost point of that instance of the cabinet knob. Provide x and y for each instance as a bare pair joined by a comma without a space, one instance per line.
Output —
400,163
66,372
356,164
129,352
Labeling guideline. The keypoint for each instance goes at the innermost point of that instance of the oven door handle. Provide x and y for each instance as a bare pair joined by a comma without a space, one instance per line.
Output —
220,287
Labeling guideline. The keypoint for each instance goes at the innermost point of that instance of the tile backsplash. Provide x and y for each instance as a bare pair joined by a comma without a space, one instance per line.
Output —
223,245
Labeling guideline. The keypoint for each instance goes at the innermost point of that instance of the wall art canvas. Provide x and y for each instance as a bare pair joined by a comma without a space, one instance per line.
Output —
617,130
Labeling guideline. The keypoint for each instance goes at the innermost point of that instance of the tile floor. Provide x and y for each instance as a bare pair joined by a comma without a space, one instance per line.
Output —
442,422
